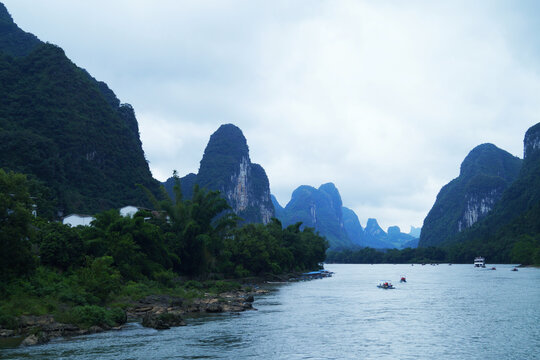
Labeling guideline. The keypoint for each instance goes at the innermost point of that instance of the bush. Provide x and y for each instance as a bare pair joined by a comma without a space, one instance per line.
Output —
221,286
92,315
193,285
8,322
165,277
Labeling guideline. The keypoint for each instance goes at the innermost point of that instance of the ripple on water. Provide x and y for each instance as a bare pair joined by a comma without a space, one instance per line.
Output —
447,312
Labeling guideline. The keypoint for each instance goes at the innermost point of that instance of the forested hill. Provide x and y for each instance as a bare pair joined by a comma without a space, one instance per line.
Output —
64,128
511,232
485,174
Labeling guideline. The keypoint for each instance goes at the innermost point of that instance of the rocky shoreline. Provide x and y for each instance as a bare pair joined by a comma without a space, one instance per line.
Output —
154,311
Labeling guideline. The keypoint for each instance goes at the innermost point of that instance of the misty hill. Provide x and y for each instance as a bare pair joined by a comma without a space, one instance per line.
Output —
415,232
511,232
64,128
226,167
352,226
322,209
485,174
400,240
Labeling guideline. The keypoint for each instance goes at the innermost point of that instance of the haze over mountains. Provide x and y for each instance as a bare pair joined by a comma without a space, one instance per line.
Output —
323,210
71,133
91,155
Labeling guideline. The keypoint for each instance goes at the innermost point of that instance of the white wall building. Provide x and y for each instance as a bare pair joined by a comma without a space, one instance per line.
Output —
128,211
77,220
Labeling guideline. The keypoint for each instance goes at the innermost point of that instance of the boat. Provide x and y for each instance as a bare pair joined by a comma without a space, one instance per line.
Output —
494,268
479,262
403,279
514,269
385,285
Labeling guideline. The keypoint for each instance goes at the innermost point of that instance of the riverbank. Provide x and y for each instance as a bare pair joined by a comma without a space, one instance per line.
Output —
155,311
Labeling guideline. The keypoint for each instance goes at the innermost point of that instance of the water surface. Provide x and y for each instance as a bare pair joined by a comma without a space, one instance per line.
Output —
444,312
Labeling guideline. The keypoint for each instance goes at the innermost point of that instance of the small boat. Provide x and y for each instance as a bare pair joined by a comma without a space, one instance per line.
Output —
479,262
494,268
385,285
403,279
514,269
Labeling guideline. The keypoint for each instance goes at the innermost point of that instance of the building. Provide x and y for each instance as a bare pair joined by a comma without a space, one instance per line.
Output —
78,220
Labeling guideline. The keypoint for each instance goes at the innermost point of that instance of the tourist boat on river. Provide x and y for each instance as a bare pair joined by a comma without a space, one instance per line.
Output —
479,262
385,285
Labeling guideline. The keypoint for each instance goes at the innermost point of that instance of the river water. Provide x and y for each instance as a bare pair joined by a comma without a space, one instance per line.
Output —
442,312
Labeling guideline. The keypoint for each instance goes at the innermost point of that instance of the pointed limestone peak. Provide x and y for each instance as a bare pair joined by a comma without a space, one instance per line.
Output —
488,159
335,198
228,139
372,227
531,143
226,150
331,190
226,167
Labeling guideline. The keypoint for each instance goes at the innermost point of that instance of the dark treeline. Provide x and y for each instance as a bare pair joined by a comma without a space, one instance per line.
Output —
391,256
521,250
46,266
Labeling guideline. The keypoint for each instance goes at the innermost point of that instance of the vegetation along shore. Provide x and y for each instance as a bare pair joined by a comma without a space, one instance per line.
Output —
157,266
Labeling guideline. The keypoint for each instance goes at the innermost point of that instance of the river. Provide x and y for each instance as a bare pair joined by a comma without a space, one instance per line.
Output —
441,312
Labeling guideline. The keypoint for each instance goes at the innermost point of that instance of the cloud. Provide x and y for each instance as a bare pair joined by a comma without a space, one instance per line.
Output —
385,99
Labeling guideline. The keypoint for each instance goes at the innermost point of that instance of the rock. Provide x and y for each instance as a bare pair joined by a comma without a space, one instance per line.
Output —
95,329
27,321
6,332
249,298
214,308
35,339
162,321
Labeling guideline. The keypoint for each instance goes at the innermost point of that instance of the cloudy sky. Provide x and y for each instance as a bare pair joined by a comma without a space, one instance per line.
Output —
382,98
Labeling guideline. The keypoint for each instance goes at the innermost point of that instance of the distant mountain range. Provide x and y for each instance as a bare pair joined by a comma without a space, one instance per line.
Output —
322,209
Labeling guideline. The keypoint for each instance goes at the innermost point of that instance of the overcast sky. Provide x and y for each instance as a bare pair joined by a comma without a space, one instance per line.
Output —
382,98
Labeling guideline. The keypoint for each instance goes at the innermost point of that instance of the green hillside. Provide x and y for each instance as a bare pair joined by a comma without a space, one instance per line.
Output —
485,174
511,233
62,127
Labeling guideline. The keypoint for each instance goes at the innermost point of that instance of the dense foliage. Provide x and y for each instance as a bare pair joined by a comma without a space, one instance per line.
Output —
14,41
49,267
523,249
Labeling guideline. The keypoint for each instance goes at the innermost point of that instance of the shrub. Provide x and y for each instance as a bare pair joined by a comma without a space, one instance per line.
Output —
193,285
92,315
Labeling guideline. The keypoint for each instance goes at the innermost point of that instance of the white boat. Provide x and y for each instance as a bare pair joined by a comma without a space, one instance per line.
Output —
479,262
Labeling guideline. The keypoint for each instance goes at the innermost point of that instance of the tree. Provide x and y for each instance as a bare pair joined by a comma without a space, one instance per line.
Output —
15,231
